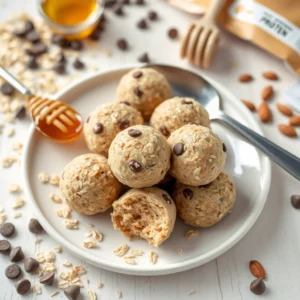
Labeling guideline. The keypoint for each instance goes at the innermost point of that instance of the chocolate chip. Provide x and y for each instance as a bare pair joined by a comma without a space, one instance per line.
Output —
166,197
144,58
122,44
21,112
139,2
98,128
95,35
28,26
76,45
118,9
13,271
126,2
37,49
88,119
258,286
16,254
173,33
7,229
33,37
48,278
23,286
60,68
60,58
137,74
295,200
125,102
78,64
138,91
32,63
31,264
110,3
178,149
134,132
224,147
4,246
72,292
152,15
142,24
6,89
184,101
35,226
188,194
135,166
164,130
123,124
60,41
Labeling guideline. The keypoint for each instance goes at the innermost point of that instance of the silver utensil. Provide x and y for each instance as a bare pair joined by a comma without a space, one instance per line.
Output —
207,95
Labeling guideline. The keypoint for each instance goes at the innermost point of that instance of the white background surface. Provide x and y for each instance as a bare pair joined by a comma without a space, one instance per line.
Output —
274,239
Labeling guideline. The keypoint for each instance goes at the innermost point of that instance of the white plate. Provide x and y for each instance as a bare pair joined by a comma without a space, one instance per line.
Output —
249,169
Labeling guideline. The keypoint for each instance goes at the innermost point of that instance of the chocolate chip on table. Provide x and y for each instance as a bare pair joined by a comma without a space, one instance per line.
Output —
35,226
125,102
76,45
142,24
6,89
95,35
4,246
60,41
164,130
152,15
188,194
137,74
21,112
178,149
184,101
258,286
138,91
31,264
60,68
32,63
140,2
173,33
23,286
7,229
33,37
123,124
16,254
78,64
28,26
48,278
61,58
224,147
144,58
118,9
37,49
110,3
168,200
134,132
295,200
72,292
98,128
122,44
13,271
135,166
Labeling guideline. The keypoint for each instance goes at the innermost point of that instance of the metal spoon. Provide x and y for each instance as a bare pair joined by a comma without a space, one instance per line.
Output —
207,95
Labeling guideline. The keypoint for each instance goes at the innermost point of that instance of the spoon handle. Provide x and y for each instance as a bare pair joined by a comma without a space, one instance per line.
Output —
283,158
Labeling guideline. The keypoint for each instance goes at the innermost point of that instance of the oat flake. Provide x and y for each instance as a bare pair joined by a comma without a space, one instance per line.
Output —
55,198
44,177
191,233
121,250
119,295
71,224
152,257
92,295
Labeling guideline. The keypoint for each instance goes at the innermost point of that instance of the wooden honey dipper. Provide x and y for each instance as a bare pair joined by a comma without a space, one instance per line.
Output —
52,118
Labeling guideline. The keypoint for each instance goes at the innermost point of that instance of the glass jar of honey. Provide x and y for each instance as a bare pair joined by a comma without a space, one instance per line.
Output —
75,19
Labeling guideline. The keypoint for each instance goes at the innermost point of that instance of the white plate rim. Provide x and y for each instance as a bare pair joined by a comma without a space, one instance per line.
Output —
164,269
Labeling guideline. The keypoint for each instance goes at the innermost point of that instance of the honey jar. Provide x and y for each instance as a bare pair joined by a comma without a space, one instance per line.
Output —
75,19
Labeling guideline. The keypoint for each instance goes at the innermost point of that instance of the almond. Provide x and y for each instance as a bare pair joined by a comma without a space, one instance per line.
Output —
270,75
267,93
295,121
250,105
264,112
284,110
245,78
257,269
287,130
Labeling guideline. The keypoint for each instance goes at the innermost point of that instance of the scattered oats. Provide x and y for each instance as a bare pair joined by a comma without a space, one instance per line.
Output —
40,256
9,118
191,292
179,251
54,180
77,281
119,295
17,215
44,177
100,285
71,224
38,240
137,252
91,225
54,294
80,270
14,188
89,243
49,256
127,256
37,289
191,233
2,218
62,284
57,249
92,295
152,257
17,146
19,202
10,132
96,235
8,161
130,261
67,263
64,212
55,198
121,250
46,268
64,275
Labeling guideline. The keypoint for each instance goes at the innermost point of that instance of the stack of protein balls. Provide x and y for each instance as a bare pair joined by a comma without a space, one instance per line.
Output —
178,144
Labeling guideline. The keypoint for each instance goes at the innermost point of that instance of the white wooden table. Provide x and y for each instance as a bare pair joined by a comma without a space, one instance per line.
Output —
275,238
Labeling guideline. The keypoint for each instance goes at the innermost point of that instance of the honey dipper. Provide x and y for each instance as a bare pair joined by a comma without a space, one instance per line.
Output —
52,118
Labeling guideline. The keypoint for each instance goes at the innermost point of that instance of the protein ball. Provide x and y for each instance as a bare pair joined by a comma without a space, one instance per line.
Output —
177,112
106,122
144,89
139,156
147,213
197,155
204,206
88,185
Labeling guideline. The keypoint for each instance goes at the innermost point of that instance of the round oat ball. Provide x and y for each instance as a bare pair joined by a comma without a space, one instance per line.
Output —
139,156
176,112
204,206
147,213
144,89
198,155
88,185
106,121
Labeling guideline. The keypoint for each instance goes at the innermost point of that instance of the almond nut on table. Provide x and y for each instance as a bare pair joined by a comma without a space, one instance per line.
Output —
287,130
285,110
257,269
245,78
270,75
267,93
295,121
264,112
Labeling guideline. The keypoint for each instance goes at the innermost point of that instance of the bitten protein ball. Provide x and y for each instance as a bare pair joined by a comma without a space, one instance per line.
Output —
176,112
144,89
198,155
88,185
106,121
148,213
139,156
204,206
